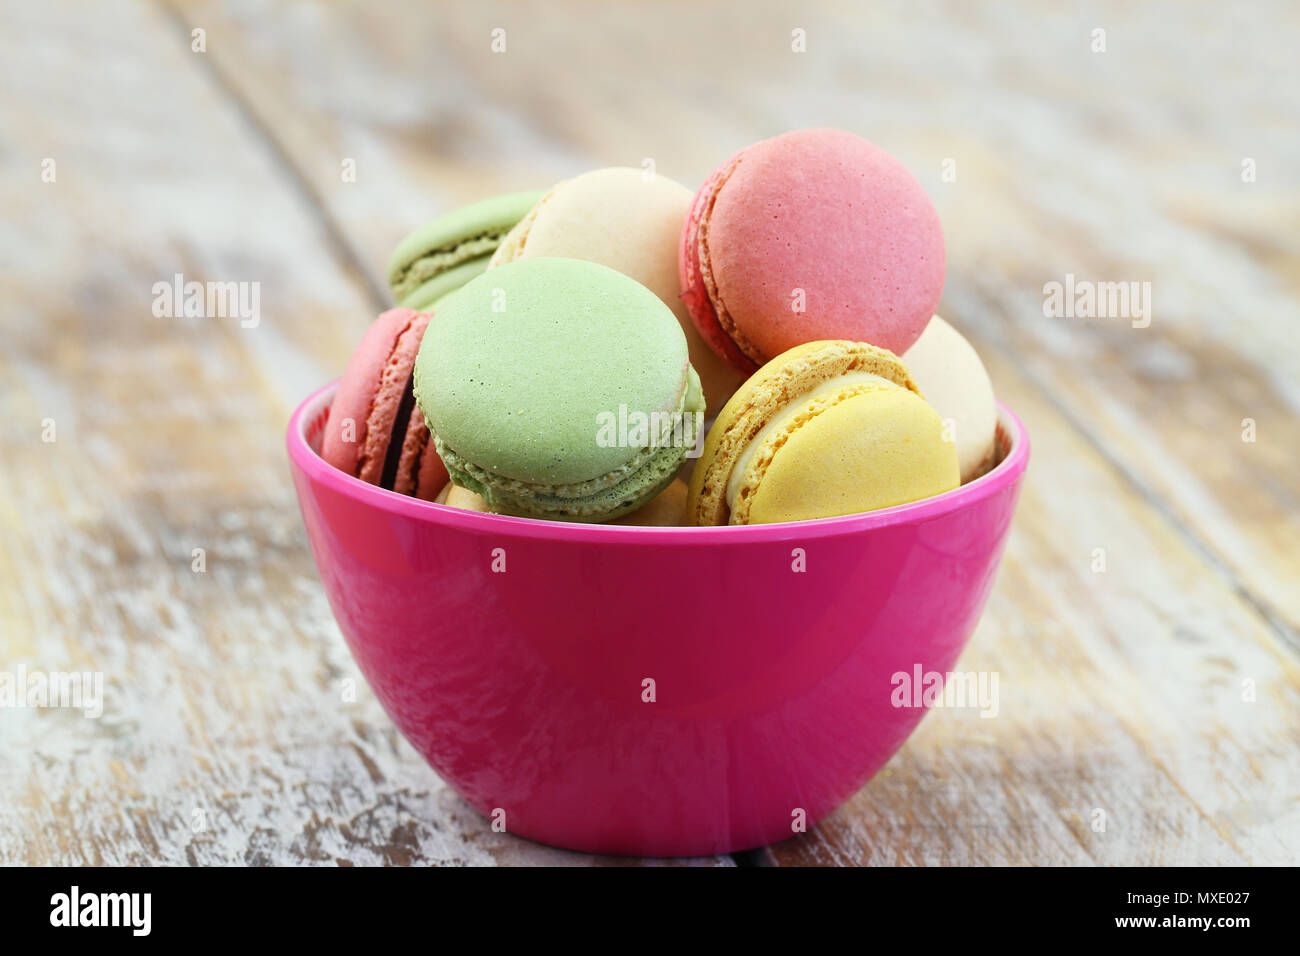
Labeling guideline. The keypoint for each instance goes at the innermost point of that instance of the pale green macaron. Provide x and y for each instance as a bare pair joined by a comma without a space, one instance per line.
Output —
559,389
443,255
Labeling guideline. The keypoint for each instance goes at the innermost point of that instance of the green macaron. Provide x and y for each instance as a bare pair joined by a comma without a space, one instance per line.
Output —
558,389
442,255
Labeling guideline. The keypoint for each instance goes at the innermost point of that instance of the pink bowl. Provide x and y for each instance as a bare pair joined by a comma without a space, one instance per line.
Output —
513,653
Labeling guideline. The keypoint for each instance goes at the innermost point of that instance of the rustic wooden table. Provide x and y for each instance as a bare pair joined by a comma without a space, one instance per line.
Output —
1144,623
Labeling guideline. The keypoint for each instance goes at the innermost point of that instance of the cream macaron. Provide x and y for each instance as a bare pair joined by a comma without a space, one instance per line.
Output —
953,380
454,496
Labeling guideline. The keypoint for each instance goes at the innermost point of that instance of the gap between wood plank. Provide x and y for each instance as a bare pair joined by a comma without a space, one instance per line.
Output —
334,234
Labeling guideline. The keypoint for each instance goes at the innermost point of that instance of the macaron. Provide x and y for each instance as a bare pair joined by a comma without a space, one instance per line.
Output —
826,428
373,431
954,381
558,389
442,255
665,510
630,221
811,235
454,496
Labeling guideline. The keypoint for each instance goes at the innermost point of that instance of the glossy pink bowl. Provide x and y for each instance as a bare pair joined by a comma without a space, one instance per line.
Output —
515,655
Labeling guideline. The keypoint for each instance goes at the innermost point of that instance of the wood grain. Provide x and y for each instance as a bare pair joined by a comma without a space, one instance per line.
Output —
1121,690
227,735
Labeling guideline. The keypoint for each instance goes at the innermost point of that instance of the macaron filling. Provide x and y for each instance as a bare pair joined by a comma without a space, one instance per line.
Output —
443,284
433,263
803,407
395,448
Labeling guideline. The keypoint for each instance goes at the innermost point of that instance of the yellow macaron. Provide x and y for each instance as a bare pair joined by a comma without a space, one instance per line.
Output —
827,428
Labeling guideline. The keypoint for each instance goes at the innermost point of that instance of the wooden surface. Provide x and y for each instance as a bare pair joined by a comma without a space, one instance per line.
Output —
227,736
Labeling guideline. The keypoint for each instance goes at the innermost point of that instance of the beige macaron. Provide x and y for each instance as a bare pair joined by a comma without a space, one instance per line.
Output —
629,220
454,496
950,374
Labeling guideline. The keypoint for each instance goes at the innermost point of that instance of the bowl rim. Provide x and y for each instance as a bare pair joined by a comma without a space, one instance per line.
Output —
306,460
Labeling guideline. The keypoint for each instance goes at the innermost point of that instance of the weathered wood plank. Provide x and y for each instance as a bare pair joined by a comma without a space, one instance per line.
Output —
1057,171
1121,691
226,735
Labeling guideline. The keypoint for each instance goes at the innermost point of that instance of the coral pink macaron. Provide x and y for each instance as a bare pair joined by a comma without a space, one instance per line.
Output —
814,234
374,431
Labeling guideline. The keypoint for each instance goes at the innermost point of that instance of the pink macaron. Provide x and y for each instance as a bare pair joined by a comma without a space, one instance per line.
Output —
374,431
813,234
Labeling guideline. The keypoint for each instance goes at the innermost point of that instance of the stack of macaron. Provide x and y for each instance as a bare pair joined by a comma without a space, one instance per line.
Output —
559,354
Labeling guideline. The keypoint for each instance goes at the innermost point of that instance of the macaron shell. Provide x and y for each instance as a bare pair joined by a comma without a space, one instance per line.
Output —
622,218
432,476
345,431
665,510
619,493
394,383
523,360
778,383
955,383
695,284
872,449
827,216
621,499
